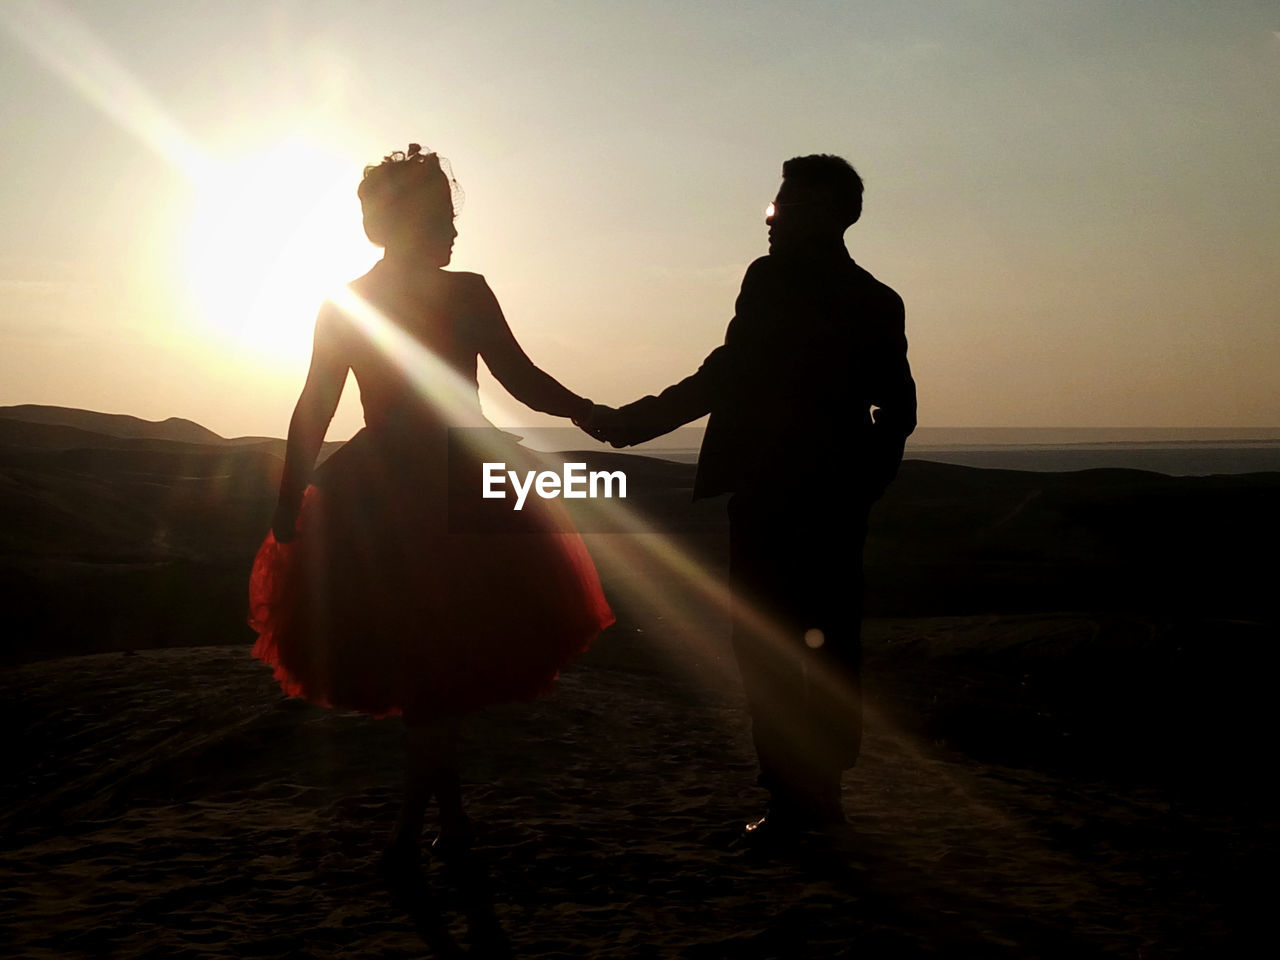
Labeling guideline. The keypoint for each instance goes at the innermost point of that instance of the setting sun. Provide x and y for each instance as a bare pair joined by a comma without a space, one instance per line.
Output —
274,230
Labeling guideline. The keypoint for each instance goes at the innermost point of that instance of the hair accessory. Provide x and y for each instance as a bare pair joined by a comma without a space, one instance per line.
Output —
392,164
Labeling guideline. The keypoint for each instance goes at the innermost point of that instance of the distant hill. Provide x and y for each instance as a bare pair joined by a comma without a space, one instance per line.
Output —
34,427
117,424
55,436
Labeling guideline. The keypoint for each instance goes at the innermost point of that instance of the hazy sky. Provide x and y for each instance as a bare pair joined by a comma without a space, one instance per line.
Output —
1077,201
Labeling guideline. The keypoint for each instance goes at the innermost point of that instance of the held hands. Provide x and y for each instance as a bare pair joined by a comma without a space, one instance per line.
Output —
604,424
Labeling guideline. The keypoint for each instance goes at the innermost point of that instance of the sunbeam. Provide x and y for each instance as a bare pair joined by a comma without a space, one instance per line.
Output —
434,380
57,37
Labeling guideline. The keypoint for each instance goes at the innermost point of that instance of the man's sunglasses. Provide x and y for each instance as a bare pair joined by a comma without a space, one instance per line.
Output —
774,205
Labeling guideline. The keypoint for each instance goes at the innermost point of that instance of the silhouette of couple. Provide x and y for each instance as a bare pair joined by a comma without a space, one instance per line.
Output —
364,599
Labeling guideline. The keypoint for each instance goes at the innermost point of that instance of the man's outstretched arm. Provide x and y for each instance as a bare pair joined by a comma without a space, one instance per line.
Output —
696,394
680,403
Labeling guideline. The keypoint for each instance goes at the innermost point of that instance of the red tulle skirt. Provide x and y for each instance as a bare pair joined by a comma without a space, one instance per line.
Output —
378,606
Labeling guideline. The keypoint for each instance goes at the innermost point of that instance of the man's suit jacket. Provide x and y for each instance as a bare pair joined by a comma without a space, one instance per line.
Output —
815,343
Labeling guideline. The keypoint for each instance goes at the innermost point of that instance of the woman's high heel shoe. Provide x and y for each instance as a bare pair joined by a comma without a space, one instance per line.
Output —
455,840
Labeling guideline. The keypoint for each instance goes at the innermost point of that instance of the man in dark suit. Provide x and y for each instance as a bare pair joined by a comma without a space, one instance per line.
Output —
811,400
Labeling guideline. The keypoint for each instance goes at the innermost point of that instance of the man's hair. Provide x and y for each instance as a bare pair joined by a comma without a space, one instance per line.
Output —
834,176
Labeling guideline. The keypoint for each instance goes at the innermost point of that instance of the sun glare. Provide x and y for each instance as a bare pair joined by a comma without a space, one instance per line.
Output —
273,233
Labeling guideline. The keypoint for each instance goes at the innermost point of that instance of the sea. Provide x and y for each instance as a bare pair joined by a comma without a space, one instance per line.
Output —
1186,460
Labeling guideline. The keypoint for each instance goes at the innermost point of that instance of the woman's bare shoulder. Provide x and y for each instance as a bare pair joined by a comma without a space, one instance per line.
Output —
366,282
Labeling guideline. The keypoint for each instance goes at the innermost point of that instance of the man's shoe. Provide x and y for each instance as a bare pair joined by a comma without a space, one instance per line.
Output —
773,827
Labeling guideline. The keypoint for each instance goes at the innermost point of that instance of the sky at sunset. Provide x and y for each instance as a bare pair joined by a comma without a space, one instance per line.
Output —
1077,201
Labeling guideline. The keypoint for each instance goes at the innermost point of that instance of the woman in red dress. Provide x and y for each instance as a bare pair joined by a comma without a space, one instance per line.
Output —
369,593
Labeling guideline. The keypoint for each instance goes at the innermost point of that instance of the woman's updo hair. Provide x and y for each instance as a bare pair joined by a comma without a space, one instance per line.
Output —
386,185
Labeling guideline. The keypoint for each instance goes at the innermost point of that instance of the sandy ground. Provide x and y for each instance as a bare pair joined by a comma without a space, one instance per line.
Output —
172,803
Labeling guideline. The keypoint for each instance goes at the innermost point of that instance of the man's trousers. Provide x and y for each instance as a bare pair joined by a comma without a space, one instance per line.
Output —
797,579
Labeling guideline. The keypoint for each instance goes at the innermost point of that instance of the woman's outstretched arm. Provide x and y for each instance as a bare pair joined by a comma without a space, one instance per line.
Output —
512,367
310,421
